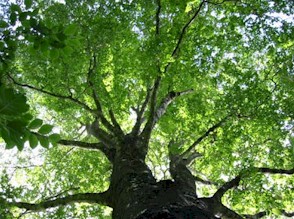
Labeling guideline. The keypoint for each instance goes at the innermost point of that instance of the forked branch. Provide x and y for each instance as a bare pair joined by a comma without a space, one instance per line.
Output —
157,112
140,112
115,128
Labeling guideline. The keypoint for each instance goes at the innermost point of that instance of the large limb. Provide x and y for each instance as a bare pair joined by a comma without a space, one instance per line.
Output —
219,208
140,112
109,152
97,198
157,112
188,153
235,182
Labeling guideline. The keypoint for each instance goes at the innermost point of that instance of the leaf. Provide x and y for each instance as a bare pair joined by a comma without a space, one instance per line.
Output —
6,137
3,24
23,16
15,8
44,141
12,103
45,129
33,141
54,137
28,3
20,144
70,29
35,124
14,134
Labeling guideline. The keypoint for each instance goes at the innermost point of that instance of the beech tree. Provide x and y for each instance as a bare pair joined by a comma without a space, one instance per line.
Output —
139,109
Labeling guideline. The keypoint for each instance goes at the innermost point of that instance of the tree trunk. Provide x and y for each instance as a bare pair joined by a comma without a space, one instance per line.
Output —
135,194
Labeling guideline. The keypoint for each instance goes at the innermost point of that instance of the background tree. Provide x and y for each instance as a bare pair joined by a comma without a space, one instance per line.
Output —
187,107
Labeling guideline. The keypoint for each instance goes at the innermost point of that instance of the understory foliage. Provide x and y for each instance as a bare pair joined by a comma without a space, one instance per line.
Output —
96,93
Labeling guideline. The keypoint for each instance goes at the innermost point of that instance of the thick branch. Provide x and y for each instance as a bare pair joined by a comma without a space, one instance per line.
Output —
98,198
149,125
140,113
170,97
235,182
275,171
116,125
157,113
227,213
203,181
210,130
224,188
217,208
109,152
70,98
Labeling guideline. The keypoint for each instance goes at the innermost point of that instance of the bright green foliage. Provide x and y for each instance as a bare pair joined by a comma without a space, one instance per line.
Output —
236,56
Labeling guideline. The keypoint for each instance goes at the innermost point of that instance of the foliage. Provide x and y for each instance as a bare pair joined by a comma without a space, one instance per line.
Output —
236,56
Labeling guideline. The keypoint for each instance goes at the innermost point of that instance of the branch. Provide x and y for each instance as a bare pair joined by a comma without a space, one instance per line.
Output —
157,113
182,34
116,125
227,213
287,214
224,188
157,16
217,208
235,182
170,97
97,198
203,181
219,3
210,130
275,171
99,112
140,113
109,152
264,213
70,98
149,125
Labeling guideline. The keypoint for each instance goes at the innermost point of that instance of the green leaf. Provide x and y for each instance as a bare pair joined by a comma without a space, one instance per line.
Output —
35,124
45,129
20,144
44,141
5,134
13,18
54,137
22,16
70,29
3,24
28,3
33,141
15,8
12,103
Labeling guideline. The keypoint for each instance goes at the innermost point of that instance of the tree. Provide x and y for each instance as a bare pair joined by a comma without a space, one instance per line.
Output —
161,109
